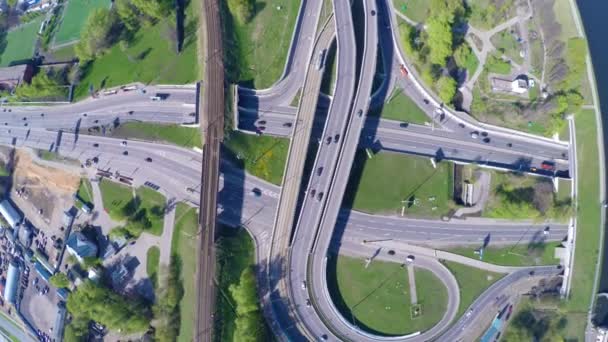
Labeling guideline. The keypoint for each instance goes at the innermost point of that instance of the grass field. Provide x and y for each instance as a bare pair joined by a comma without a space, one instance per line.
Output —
471,281
261,156
496,65
588,213
115,197
416,10
183,250
565,18
150,58
398,178
471,64
400,107
378,298
75,15
152,201
20,42
520,255
235,253
152,263
173,134
64,53
256,51
507,44
85,191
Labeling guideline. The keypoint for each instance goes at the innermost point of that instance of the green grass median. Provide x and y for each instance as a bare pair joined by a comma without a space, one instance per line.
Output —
401,108
388,181
152,263
532,254
471,281
261,156
172,134
377,298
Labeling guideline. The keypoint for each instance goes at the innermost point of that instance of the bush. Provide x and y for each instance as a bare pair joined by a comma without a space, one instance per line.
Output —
59,280
92,301
249,322
99,33
446,88
42,86
243,10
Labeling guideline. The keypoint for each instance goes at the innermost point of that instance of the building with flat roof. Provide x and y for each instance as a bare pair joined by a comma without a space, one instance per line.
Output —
10,214
519,85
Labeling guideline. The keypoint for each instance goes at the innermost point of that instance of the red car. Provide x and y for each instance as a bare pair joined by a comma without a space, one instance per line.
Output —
509,310
547,166
403,70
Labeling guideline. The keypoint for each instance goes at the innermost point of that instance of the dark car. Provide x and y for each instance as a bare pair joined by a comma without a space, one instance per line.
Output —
328,140
336,138
486,140
360,112
426,101
24,118
320,196
313,192
125,153
461,125
319,170
404,125
25,124
84,114
130,112
262,122
95,145
149,160
41,114
256,192
287,124
509,145
484,134
262,128
96,121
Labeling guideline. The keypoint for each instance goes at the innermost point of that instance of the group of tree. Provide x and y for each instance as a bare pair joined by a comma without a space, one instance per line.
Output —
95,302
249,322
532,325
105,27
243,10
42,86
166,309
433,46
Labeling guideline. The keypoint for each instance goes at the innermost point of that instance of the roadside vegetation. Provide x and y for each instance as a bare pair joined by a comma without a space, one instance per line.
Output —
152,264
416,10
240,316
142,211
400,107
471,282
526,254
517,196
183,265
424,191
85,192
95,302
377,298
261,156
257,36
121,45
174,134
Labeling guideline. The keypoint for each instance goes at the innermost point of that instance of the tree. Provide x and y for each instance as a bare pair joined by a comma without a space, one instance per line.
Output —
446,88
76,331
128,14
462,55
155,9
439,30
166,310
92,301
97,34
11,3
59,280
42,86
243,10
249,323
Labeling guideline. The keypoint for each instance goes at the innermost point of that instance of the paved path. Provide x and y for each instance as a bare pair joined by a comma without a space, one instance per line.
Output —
165,238
101,217
412,281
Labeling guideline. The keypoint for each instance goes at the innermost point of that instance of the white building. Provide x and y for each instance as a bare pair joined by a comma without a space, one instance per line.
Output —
10,214
519,85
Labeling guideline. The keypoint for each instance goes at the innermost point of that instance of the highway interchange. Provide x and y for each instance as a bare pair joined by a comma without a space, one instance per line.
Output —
320,225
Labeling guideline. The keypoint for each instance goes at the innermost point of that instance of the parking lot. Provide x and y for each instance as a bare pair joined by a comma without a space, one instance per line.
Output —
38,302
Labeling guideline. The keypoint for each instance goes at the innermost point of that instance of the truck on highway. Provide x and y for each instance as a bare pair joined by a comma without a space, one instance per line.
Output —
321,60
403,70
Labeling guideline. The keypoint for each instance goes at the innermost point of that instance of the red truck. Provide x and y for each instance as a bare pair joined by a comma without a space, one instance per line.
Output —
403,70
547,166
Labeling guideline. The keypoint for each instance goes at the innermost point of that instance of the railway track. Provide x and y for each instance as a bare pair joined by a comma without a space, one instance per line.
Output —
212,127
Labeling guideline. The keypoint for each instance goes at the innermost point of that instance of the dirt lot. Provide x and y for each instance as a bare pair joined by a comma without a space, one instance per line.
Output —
38,187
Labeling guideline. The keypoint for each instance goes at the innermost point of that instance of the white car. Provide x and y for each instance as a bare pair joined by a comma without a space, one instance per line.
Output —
303,285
